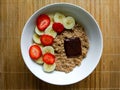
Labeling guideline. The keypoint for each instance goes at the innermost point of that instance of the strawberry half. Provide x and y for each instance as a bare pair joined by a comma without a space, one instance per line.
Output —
35,52
43,22
49,58
46,40
58,27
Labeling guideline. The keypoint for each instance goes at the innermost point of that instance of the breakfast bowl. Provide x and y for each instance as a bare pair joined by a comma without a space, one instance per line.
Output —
87,65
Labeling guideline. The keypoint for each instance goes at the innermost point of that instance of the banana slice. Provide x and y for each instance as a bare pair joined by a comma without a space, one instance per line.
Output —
37,31
59,17
69,22
41,46
51,23
50,31
39,61
36,38
49,68
48,49
51,16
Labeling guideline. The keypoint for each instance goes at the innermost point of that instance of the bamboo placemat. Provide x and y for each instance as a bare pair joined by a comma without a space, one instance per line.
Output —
14,73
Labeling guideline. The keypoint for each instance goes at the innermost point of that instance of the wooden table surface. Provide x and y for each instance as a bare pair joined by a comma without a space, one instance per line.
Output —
14,73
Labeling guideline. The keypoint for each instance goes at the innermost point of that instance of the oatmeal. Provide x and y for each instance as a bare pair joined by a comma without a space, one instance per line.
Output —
63,63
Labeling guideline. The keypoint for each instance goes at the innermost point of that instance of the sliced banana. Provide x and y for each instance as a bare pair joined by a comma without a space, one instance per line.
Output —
51,16
47,49
59,17
39,61
36,38
50,31
37,31
41,46
69,22
49,68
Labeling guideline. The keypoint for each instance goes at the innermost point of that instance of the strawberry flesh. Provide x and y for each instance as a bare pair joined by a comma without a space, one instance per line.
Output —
49,58
35,52
46,40
43,22
58,27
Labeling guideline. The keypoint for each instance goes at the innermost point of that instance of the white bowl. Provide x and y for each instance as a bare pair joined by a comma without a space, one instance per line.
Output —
88,64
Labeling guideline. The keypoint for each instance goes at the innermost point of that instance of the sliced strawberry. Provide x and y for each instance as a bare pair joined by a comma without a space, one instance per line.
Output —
49,58
46,40
43,22
35,52
58,27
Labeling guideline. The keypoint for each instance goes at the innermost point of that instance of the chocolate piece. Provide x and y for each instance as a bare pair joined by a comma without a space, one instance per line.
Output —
72,47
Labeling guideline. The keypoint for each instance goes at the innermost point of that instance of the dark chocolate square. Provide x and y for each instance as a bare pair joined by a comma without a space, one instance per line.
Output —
72,47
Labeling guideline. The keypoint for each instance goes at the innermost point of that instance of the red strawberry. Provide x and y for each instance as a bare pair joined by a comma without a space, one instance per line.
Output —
46,40
43,22
58,27
35,52
49,58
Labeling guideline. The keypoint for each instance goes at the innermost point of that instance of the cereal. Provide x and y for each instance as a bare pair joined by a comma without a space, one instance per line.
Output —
63,63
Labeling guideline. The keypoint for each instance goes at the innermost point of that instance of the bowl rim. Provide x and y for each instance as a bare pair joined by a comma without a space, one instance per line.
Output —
64,3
